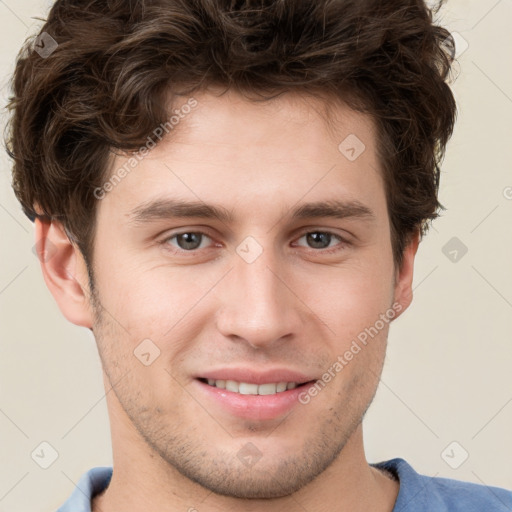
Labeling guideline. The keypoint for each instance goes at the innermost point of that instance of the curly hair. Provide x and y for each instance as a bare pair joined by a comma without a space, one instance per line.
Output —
102,88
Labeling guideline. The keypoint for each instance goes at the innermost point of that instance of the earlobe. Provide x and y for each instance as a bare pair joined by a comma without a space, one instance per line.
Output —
404,275
64,271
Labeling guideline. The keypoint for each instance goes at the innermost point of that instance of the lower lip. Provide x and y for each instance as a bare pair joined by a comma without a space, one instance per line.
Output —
253,407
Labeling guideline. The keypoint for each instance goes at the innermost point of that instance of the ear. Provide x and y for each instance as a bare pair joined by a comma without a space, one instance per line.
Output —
64,271
404,274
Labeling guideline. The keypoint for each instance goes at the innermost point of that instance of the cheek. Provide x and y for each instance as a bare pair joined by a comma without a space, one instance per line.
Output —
351,299
155,300
149,300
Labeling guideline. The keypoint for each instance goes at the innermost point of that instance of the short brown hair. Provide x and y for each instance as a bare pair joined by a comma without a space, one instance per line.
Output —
102,88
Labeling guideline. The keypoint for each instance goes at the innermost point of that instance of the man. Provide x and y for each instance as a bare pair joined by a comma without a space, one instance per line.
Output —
230,195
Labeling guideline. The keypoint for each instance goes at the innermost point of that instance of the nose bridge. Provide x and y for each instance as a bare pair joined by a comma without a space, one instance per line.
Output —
256,304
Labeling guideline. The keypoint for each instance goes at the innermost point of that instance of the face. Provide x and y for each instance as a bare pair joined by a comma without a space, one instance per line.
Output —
280,287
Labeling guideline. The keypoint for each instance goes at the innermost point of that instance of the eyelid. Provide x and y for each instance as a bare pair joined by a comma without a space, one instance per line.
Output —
343,234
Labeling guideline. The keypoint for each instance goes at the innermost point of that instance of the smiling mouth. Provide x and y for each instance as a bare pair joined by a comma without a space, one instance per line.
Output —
246,388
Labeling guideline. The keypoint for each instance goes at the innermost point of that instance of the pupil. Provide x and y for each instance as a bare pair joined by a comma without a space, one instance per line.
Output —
190,240
313,238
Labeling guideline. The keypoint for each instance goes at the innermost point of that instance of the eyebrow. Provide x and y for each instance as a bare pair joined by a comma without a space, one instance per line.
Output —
161,209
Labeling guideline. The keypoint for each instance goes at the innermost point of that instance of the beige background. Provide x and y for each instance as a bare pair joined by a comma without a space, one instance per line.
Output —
447,377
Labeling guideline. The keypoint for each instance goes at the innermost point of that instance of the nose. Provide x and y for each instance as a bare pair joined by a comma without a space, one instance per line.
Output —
257,304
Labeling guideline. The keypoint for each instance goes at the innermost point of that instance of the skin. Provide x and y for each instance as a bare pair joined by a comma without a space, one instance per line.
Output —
296,306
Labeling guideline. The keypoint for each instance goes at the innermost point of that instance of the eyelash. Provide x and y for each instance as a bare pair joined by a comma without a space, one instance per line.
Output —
342,245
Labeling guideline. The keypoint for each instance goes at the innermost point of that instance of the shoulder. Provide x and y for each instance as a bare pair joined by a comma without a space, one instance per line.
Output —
91,483
420,493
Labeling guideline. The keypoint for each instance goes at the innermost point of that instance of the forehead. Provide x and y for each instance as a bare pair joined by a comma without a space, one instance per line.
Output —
259,154
230,119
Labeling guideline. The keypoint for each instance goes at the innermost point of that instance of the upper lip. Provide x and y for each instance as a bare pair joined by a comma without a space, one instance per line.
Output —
250,376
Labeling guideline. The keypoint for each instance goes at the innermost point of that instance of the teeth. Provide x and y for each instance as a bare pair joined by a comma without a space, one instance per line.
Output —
281,387
267,389
248,389
245,388
231,385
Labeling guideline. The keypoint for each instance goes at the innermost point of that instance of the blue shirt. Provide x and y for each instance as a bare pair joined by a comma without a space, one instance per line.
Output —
418,493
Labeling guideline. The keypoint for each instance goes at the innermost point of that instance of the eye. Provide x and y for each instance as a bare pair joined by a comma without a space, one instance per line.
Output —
192,241
322,240
187,241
